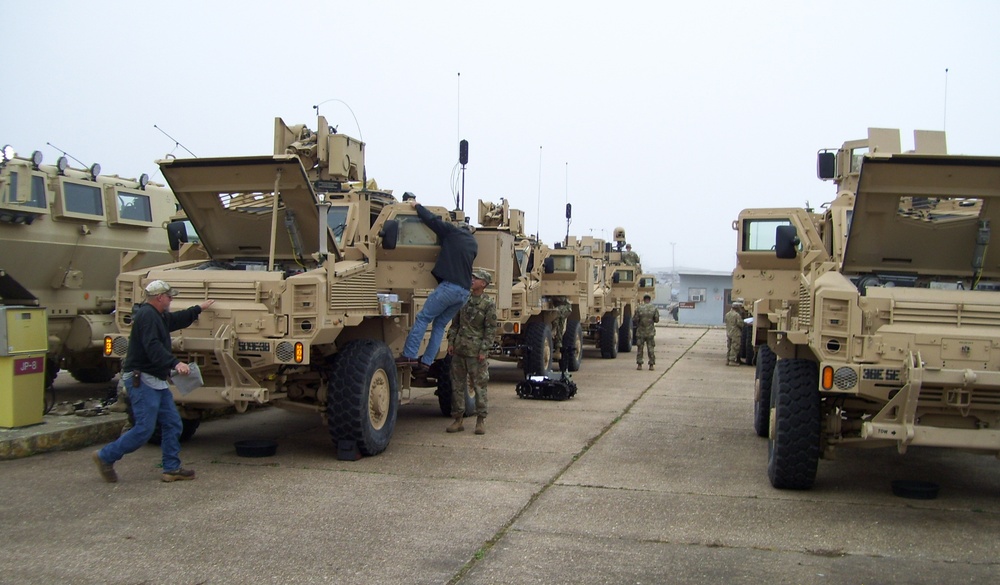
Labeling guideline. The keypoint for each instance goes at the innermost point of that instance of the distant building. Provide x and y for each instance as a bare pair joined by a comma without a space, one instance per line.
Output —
704,296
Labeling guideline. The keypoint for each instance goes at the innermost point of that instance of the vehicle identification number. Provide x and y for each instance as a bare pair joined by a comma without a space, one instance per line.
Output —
261,346
880,374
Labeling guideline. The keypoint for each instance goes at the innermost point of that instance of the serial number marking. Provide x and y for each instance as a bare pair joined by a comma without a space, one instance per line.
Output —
261,346
881,374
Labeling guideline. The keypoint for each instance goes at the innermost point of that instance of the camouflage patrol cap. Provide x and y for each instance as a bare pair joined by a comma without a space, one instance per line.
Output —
482,275
737,302
159,287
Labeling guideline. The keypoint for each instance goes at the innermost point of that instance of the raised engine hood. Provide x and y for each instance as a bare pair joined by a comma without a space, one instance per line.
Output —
935,232
229,202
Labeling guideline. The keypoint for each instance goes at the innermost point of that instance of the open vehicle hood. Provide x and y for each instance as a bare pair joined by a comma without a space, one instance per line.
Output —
934,233
229,202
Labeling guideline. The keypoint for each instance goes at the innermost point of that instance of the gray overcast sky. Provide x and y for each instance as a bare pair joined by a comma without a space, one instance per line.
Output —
664,118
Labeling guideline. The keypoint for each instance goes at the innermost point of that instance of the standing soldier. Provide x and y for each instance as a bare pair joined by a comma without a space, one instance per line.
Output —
734,333
646,317
563,309
469,340
629,257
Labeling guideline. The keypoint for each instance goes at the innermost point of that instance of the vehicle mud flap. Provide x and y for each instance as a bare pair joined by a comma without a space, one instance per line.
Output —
546,388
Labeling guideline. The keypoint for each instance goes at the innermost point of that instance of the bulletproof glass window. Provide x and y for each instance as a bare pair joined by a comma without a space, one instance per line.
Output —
336,219
758,234
82,199
562,263
625,275
133,207
36,198
414,232
857,155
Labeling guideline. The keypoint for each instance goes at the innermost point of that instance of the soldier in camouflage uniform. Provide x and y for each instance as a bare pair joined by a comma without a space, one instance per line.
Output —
469,340
629,257
563,309
734,333
646,317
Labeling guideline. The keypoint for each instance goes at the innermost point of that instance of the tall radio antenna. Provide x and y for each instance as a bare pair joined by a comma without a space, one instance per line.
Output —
944,124
538,204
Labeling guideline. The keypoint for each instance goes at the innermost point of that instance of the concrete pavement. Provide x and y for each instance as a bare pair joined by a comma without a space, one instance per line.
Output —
643,477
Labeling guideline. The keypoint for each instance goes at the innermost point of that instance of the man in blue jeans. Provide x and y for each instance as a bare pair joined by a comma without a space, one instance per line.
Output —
145,371
453,271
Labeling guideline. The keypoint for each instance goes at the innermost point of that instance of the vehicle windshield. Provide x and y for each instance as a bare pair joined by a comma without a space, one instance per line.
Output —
336,219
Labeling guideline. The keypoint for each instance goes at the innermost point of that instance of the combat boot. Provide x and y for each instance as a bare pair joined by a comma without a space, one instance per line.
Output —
456,426
650,366
481,425
638,366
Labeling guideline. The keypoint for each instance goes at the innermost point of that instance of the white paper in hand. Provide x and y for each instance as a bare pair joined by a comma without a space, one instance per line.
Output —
186,383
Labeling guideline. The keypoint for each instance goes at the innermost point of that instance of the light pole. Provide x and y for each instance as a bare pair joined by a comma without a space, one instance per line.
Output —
673,261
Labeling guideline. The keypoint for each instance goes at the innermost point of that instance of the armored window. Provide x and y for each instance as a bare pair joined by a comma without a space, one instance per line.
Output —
413,232
34,198
759,235
625,275
80,200
336,219
133,206
857,155
563,263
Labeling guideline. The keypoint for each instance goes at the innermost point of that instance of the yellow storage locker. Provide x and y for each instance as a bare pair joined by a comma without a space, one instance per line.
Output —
23,344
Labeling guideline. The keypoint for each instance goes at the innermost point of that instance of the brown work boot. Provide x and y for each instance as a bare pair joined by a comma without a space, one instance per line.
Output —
456,426
178,475
638,366
107,470
481,425
650,366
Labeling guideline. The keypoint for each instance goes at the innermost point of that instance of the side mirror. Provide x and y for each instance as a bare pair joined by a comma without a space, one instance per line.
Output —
176,235
389,234
549,265
826,165
786,242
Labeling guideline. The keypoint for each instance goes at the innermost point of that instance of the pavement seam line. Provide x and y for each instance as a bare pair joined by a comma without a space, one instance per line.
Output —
482,551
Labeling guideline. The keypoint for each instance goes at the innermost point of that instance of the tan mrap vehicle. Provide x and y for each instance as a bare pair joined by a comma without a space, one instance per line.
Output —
316,277
63,232
896,344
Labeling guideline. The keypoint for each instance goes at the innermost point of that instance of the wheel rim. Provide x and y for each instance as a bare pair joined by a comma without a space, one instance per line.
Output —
378,400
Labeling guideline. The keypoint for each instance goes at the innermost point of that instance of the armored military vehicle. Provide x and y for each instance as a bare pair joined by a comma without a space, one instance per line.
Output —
316,276
618,290
63,231
891,337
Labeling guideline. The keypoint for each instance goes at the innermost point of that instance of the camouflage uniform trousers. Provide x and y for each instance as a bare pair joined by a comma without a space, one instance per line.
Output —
559,326
649,341
466,369
734,338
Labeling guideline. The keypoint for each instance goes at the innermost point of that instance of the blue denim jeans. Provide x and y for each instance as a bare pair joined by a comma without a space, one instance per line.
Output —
149,406
441,307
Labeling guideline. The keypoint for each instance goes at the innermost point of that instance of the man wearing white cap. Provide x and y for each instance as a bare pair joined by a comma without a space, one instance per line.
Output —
145,371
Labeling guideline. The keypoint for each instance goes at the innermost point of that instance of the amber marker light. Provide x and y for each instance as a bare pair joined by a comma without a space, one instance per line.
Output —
299,352
107,345
827,377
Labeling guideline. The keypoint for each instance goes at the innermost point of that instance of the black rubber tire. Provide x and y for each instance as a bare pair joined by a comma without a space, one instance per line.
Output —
187,431
95,375
444,389
51,371
793,451
609,335
353,412
762,390
747,353
625,335
572,346
538,360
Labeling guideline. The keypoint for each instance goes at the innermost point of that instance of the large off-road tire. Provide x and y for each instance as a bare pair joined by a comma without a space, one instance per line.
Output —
362,396
538,337
793,448
572,346
625,335
51,371
187,431
444,389
609,335
762,390
93,375
747,353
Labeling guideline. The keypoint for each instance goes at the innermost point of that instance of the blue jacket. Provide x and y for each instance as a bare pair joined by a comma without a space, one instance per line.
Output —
458,250
149,341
